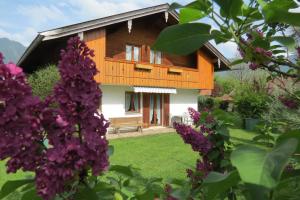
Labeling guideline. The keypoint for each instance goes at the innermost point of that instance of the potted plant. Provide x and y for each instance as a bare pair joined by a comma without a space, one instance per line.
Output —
251,106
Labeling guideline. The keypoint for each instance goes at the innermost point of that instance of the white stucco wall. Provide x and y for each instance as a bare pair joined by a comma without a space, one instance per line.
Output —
113,101
180,102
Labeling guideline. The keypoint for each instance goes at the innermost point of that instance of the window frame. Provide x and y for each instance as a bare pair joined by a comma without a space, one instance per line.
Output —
132,52
155,57
139,102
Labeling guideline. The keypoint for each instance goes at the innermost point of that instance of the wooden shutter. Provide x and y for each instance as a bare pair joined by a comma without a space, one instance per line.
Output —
166,109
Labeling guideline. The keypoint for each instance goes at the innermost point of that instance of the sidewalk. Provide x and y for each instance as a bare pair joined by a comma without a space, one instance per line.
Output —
134,133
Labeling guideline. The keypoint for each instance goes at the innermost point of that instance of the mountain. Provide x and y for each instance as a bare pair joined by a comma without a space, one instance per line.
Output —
11,50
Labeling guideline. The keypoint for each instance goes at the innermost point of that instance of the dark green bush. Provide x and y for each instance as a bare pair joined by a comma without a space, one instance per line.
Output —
43,80
205,102
251,105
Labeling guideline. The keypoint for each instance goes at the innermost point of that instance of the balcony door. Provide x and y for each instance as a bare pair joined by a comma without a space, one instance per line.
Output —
155,109
155,114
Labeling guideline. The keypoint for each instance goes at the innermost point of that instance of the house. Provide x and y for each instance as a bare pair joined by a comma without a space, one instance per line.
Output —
136,81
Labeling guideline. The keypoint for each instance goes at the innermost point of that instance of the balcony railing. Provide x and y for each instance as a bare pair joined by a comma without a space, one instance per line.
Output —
120,72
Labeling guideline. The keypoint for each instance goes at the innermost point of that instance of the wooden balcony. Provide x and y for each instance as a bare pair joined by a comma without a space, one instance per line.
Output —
120,72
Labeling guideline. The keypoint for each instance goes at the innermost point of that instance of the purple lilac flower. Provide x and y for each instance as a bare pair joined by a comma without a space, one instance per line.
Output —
71,154
253,66
168,191
204,166
260,33
298,51
263,52
242,52
20,125
289,102
195,115
76,132
196,139
14,69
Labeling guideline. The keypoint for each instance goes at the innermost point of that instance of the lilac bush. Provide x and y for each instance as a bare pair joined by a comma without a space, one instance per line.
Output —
68,119
205,139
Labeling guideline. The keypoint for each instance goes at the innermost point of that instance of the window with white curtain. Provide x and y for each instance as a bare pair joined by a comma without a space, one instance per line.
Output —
133,53
128,52
136,54
155,57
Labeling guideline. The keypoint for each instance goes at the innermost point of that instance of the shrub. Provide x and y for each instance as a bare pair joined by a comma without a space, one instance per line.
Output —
251,105
205,102
43,81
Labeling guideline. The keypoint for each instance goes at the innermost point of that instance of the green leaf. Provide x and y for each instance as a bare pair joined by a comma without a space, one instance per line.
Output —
292,134
175,6
288,42
118,196
236,62
216,183
189,15
86,193
31,195
260,167
183,39
124,170
221,36
230,8
259,42
288,189
251,12
202,5
11,186
277,11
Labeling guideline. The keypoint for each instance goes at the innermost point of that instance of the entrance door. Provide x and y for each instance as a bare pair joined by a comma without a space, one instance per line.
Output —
156,109
155,114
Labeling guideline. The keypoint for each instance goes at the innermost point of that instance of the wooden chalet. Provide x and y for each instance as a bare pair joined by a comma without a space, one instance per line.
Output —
137,82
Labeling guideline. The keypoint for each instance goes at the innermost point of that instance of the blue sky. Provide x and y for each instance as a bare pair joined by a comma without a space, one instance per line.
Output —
21,20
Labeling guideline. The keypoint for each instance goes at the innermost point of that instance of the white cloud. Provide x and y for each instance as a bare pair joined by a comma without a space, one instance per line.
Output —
25,37
228,49
99,8
41,14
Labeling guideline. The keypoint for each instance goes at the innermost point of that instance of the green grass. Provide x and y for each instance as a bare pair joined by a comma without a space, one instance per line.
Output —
163,155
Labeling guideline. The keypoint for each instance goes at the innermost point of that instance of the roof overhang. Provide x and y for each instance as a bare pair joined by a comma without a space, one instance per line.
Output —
106,21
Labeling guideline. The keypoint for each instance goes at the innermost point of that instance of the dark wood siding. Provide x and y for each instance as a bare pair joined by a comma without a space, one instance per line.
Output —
144,33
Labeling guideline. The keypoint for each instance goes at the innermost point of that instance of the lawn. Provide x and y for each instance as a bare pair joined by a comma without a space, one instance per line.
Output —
163,155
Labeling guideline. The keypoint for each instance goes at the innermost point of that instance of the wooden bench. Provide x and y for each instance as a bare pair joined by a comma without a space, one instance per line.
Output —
120,122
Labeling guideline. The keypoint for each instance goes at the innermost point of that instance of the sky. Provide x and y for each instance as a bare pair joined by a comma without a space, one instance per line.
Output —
21,20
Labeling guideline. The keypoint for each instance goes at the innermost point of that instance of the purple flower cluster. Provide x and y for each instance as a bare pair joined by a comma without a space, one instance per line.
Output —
298,51
79,144
196,139
195,115
289,102
253,66
20,125
263,52
74,129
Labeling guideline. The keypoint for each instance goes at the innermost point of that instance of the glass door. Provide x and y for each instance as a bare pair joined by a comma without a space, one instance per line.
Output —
155,109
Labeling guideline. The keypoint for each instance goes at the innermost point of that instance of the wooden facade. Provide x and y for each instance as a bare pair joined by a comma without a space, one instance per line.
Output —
115,70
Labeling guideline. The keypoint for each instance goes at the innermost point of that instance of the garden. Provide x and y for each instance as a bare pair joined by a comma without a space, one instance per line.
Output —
244,142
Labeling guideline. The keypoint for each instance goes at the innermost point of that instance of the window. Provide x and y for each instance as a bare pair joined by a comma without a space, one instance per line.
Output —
155,57
132,102
133,53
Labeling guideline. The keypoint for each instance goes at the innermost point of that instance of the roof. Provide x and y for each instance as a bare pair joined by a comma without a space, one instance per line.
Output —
105,21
